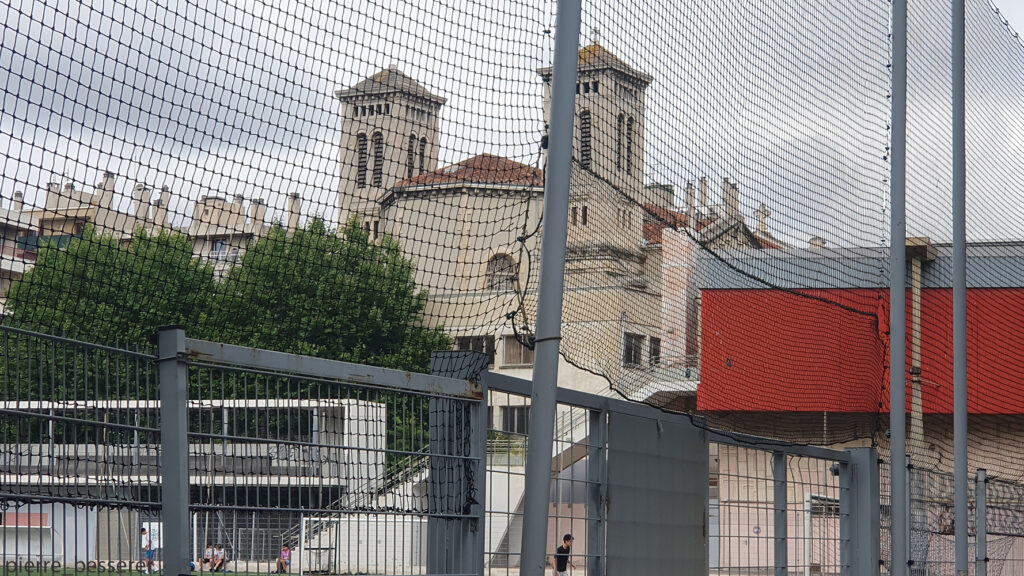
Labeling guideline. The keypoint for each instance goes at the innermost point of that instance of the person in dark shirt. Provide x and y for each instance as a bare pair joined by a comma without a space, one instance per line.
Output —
562,560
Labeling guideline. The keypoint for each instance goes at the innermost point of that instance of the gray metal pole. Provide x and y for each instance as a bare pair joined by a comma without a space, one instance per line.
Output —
981,520
596,475
898,292
781,528
959,289
549,302
174,449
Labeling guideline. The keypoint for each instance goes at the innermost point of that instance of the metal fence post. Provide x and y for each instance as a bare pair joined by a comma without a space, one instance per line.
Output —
543,402
958,42
476,534
859,513
173,374
898,290
981,520
596,476
779,473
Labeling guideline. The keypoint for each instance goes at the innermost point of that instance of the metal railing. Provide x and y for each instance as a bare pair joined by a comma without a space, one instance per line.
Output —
395,473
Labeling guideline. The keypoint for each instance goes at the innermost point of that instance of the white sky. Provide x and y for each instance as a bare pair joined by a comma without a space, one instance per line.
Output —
1013,11
788,99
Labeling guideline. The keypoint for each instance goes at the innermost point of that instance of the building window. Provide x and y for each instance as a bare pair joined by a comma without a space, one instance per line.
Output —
585,136
629,146
501,273
423,154
633,350
481,344
619,124
515,419
572,215
654,352
583,216
376,229
593,86
219,250
378,159
411,160
515,354
364,160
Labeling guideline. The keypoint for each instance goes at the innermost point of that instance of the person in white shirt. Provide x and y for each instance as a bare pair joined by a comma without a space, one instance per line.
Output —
147,551
219,558
207,557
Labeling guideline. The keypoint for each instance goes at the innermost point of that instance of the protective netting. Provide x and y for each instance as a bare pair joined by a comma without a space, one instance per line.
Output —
364,182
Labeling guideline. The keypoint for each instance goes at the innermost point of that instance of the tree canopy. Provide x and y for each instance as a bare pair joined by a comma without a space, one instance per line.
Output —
98,289
314,292
323,294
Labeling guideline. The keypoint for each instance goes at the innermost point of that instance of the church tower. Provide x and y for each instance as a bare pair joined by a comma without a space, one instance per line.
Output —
610,117
389,132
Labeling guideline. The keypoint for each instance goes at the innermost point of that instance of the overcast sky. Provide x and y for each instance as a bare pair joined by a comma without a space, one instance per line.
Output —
1013,11
788,99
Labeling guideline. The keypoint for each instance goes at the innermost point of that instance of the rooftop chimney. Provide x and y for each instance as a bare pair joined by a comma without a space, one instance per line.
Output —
703,191
731,197
258,212
294,206
160,212
105,190
52,195
19,201
143,195
762,215
817,243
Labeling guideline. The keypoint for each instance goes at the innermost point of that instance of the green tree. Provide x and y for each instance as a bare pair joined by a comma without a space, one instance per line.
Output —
98,289
318,293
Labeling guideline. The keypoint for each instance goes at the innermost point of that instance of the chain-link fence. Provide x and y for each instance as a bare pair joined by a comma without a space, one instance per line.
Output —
365,182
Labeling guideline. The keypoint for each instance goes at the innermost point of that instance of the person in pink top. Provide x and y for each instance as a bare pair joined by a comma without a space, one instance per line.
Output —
285,560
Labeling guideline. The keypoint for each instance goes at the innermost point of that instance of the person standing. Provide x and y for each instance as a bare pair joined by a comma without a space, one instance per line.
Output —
562,559
147,552
285,560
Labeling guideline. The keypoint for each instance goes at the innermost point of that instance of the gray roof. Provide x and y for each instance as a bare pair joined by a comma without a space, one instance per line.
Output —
388,81
989,265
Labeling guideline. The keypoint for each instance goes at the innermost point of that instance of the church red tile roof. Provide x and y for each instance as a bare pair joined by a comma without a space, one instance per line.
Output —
481,169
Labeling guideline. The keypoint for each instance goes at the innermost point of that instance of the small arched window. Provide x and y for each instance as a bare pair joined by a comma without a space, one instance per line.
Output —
501,273
423,154
411,160
363,162
619,122
585,136
629,146
378,159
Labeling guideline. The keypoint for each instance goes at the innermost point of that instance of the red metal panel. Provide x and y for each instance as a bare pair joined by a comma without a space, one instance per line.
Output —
827,350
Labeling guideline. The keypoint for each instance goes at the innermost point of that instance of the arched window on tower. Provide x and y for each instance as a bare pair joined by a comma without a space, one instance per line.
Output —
363,162
423,154
501,273
585,136
411,160
629,146
619,122
378,159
